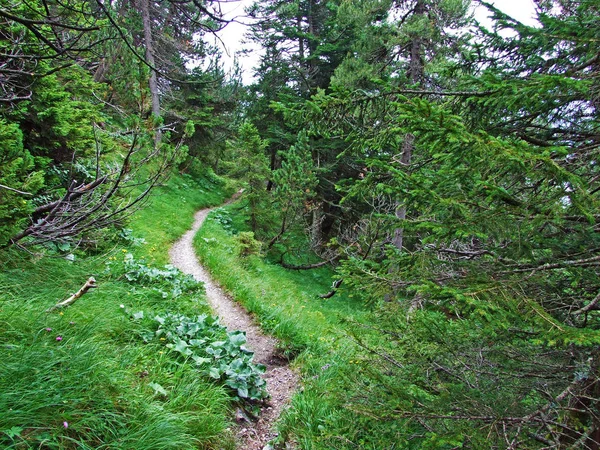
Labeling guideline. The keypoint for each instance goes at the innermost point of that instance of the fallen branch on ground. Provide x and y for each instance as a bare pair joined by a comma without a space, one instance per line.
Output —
89,284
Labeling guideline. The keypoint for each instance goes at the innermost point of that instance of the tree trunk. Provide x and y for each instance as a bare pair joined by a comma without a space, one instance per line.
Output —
416,69
407,149
273,166
153,82
316,232
416,74
300,37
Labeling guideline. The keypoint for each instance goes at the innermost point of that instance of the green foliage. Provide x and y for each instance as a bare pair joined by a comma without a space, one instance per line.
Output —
169,277
222,216
497,216
384,120
80,378
19,171
61,117
248,245
100,384
336,375
175,211
251,166
216,353
285,301
295,180
76,98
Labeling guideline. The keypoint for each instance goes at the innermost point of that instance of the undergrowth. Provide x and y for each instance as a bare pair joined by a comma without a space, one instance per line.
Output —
86,376
313,332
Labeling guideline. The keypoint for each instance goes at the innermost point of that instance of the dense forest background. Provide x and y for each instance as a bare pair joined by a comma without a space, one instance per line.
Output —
446,173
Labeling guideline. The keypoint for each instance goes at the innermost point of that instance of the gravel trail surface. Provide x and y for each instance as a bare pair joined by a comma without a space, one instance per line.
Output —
281,380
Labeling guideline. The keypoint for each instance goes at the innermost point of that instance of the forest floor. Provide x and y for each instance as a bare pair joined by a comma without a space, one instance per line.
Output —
281,380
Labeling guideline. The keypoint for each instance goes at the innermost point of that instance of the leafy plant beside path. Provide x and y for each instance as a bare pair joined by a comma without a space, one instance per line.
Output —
83,377
216,352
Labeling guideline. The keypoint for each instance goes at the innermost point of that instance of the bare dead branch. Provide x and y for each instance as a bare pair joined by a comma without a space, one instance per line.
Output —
590,306
308,266
15,190
89,284
334,287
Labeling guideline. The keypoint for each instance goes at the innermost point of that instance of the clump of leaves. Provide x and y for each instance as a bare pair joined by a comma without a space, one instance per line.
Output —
168,281
126,234
217,353
222,216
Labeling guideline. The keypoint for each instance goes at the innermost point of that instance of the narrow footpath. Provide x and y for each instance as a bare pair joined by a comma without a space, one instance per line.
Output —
281,380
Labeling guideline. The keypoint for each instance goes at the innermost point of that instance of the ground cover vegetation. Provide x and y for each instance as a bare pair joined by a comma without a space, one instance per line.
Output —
85,140
442,174
103,372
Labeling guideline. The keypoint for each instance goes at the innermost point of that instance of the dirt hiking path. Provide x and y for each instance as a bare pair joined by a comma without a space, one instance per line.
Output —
281,380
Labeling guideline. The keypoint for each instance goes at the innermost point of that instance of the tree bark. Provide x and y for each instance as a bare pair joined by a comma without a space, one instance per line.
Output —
407,149
153,82
316,232
416,73
334,287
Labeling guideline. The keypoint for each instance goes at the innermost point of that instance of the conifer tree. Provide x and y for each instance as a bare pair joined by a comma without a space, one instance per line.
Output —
492,340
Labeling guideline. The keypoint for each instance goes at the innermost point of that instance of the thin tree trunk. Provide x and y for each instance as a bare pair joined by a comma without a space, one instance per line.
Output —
153,82
416,73
316,232
273,166
407,149
300,38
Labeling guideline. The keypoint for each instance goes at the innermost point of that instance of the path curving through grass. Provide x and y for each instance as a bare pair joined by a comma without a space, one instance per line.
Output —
281,380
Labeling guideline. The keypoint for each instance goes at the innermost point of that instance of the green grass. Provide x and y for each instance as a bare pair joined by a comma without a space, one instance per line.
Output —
168,216
108,384
287,302
312,331
84,377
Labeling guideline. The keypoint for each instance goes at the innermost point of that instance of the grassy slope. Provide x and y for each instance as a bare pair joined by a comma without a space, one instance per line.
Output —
171,214
287,304
83,378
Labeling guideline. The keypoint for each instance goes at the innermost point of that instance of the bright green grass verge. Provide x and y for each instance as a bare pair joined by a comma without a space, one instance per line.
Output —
84,377
287,304
168,215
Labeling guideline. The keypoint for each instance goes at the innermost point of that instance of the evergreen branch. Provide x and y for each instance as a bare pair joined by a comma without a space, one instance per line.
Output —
465,253
140,57
583,65
381,353
31,23
442,93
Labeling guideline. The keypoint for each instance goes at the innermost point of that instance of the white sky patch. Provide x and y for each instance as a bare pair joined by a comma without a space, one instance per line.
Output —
232,36
522,10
